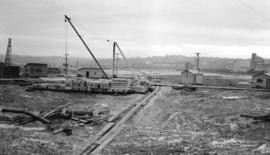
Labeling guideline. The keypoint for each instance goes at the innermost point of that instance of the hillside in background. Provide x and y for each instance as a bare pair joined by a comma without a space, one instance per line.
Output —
167,62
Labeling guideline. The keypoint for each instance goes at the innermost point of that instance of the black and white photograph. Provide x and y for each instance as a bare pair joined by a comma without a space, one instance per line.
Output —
134,77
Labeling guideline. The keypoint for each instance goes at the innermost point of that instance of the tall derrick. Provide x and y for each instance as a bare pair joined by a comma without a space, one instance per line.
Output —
8,59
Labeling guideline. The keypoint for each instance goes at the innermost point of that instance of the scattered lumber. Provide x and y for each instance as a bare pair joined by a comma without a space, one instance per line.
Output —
57,117
177,87
67,131
79,120
261,118
85,117
80,113
56,109
36,117
184,87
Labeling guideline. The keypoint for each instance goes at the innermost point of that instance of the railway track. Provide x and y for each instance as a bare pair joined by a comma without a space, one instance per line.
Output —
113,128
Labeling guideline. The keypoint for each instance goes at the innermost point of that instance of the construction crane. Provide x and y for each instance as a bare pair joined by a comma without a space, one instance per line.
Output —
115,45
67,19
140,83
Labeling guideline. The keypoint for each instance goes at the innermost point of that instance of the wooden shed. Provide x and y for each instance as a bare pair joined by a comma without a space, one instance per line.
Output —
88,72
261,80
35,70
9,71
191,77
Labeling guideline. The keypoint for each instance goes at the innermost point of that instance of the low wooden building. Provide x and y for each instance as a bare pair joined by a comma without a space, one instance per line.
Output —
54,70
191,77
93,73
261,80
36,70
9,71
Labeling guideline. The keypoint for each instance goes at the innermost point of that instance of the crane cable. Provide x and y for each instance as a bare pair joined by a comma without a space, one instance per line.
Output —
66,38
255,10
66,49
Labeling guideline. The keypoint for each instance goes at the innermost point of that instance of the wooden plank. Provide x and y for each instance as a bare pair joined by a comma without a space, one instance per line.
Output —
115,117
108,140
56,109
41,119
105,140
92,145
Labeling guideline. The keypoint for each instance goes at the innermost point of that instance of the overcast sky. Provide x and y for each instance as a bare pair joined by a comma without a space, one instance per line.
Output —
217,28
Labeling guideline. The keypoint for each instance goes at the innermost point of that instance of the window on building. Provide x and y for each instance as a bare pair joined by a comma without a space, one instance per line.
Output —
259,80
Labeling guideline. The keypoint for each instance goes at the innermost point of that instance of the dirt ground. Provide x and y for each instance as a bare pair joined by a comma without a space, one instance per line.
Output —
34,138
211,79
174,122
199,122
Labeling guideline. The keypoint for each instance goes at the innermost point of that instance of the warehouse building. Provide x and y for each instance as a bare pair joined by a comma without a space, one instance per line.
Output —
261,80
36,70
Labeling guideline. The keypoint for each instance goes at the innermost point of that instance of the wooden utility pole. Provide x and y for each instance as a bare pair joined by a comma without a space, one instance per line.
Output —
66,64
197,61
113,65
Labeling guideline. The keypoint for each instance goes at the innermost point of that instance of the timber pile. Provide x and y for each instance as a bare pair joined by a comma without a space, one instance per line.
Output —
185,87
265,118
59,116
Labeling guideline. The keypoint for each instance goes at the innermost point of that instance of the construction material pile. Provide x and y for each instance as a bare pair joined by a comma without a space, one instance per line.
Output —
58,117
115,85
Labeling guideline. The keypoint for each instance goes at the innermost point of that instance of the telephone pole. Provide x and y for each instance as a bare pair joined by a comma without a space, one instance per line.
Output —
197,61
66,64
114,65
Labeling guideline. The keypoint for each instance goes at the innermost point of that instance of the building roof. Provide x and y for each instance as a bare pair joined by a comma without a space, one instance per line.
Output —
88,68
83,68
35,64
267,74
192,71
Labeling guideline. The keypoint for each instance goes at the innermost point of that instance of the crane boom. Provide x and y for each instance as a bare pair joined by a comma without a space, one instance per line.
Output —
133,72
78,34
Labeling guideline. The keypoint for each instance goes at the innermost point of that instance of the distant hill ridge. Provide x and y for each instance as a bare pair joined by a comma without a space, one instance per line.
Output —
169,61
